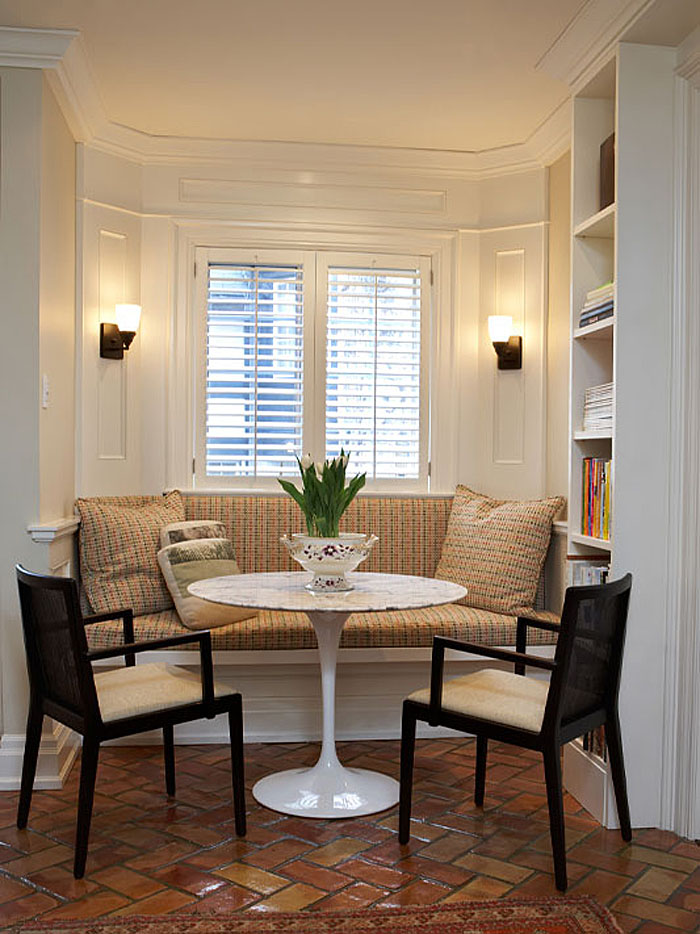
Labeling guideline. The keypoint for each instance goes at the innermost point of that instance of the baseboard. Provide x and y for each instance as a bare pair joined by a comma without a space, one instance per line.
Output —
58,751
586,778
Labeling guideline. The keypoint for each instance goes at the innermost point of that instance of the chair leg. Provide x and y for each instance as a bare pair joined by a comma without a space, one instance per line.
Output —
169,757
555,800
408,747
35,720
480,773
235,728
613,738
88,772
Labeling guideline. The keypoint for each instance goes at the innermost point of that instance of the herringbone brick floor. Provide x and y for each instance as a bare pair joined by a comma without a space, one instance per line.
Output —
152,855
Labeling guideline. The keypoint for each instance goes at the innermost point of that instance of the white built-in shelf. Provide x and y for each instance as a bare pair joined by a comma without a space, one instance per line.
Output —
603,543
593,435
600,331
600,225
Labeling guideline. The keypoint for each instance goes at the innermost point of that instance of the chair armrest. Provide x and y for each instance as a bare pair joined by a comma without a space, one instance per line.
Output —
440,643
544,620
206,665
127,615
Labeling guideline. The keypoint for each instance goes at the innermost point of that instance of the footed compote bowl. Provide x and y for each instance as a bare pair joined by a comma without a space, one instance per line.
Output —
329,559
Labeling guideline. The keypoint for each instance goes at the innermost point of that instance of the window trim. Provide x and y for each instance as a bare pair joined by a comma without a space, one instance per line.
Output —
315,264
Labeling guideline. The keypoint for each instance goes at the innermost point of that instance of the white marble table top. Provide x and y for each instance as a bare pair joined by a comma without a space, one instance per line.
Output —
286,591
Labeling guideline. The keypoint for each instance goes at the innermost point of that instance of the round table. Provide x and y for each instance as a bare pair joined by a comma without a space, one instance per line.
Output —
328,789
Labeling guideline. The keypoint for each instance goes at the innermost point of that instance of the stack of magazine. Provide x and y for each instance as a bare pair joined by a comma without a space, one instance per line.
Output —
586,569
599,304
598,408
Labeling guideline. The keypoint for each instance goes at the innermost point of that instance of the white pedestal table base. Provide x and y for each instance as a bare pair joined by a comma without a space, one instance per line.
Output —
328,789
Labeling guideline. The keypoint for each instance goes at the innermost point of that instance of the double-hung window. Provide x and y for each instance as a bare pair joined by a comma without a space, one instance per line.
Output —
310,352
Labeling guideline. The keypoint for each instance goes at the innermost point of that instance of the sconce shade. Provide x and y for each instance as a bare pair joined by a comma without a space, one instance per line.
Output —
128,317
116,338
500,327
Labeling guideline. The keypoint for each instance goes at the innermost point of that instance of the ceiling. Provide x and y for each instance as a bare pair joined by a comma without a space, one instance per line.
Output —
449,74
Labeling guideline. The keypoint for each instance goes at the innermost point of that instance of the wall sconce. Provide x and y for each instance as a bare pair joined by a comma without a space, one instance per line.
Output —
509,348
116,338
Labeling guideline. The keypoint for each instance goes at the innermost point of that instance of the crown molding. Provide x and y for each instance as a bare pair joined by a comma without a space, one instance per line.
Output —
34,48
688,66
73,83
589,39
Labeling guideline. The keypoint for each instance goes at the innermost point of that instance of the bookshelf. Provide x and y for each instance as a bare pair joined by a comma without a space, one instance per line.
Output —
625,243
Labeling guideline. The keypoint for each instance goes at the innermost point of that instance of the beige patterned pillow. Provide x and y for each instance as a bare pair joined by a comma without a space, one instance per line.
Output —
119,540
199,559
496,549
190,530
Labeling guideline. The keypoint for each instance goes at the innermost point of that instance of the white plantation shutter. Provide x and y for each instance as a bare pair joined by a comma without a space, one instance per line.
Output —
374,391
254,369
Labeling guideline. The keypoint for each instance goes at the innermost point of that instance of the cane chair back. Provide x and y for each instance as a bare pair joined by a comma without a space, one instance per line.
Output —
586,680
55,642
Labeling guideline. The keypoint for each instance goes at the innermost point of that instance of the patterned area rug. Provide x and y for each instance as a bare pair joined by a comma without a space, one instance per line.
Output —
559,915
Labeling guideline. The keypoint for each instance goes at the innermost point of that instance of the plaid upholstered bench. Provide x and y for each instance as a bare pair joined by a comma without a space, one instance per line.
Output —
272,657
410,532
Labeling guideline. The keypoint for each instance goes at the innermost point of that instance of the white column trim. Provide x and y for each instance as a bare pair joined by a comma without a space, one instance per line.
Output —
45,533
680,810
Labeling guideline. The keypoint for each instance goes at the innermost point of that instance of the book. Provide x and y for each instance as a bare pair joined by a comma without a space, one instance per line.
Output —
596,498
593,319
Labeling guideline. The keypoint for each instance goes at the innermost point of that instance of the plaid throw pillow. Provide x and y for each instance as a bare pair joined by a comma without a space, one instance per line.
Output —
119,541
496,549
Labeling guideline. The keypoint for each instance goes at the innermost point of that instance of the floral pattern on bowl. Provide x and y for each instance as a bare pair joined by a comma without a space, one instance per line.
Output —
329,559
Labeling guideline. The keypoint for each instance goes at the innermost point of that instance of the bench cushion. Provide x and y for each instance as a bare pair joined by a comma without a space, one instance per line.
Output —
287,630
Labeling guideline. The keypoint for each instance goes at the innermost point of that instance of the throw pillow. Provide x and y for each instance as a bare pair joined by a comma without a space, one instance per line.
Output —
496,549
119,538
186,562
191,529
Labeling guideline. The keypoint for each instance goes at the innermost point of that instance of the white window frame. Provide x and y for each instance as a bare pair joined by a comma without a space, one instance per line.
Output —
315,264
452,363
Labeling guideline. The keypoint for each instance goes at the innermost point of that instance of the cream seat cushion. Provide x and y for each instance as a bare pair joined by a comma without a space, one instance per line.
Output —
141,689
498,696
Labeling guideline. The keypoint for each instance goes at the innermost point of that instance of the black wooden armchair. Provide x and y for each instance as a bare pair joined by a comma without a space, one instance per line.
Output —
582,695
111,704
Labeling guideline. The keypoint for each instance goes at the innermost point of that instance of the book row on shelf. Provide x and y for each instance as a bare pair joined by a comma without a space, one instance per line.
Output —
582,570
598,408
596,476
599,305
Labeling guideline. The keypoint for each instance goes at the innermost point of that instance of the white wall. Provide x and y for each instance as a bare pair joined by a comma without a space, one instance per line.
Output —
57,313
37,273
20,189
143,223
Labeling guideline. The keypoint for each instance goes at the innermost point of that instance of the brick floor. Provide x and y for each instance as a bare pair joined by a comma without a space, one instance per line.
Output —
151,854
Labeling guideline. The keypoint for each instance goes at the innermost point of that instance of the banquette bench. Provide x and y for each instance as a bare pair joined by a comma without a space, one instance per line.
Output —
271,657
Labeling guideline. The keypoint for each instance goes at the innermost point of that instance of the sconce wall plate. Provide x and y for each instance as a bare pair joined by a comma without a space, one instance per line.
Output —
509,353
111,342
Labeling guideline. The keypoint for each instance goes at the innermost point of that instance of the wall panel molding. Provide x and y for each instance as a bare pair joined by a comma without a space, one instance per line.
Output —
509,386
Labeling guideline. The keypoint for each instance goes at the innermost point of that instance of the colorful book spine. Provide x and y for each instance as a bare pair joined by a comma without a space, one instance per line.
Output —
596,498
